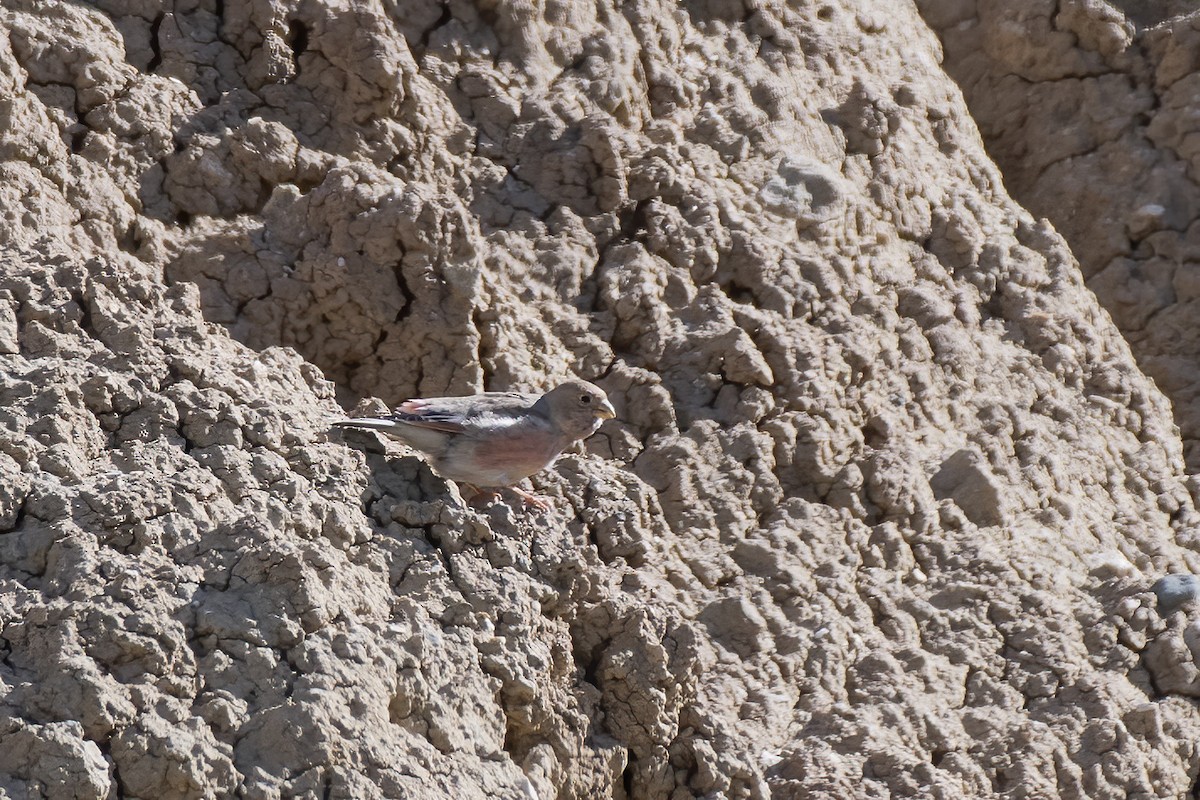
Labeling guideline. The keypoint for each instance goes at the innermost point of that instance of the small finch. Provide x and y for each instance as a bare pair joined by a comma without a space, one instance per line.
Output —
493,440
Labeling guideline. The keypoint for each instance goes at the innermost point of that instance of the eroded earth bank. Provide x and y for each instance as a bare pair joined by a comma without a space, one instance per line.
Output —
878,517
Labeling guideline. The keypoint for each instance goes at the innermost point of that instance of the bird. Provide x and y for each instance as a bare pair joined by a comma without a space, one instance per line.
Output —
493,440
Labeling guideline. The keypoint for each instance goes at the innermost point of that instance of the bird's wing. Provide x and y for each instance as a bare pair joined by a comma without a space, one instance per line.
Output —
476,414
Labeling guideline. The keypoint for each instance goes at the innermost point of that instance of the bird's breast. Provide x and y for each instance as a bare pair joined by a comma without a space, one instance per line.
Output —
500,459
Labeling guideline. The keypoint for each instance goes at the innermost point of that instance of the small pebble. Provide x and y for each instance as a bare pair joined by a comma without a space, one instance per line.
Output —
1173,591
1111,564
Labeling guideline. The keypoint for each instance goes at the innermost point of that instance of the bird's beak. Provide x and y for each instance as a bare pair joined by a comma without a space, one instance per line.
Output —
605,410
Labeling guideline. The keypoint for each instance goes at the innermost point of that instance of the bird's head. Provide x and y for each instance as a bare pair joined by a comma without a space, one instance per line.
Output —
577,408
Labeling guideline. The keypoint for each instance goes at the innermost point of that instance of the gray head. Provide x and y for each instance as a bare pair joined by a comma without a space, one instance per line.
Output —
576,408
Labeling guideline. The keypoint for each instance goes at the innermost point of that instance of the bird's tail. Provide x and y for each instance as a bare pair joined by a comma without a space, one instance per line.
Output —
364,422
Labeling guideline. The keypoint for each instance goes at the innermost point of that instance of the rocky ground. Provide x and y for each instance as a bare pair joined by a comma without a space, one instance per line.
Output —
886,494
1090,110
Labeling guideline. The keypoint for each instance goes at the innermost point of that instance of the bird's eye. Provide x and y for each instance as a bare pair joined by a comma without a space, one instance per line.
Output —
585,399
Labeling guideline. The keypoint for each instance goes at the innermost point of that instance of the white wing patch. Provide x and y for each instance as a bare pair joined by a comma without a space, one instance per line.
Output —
498,423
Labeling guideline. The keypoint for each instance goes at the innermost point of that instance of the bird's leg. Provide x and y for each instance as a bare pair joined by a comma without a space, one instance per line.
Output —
480,497
531,499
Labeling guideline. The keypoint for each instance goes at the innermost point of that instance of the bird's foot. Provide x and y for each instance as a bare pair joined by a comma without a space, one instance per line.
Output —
482,498
531,499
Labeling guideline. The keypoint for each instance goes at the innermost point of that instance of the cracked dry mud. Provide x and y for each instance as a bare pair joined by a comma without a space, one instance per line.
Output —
1089,108
885,497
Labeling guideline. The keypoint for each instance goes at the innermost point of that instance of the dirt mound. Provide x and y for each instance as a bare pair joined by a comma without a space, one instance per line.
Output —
879,515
